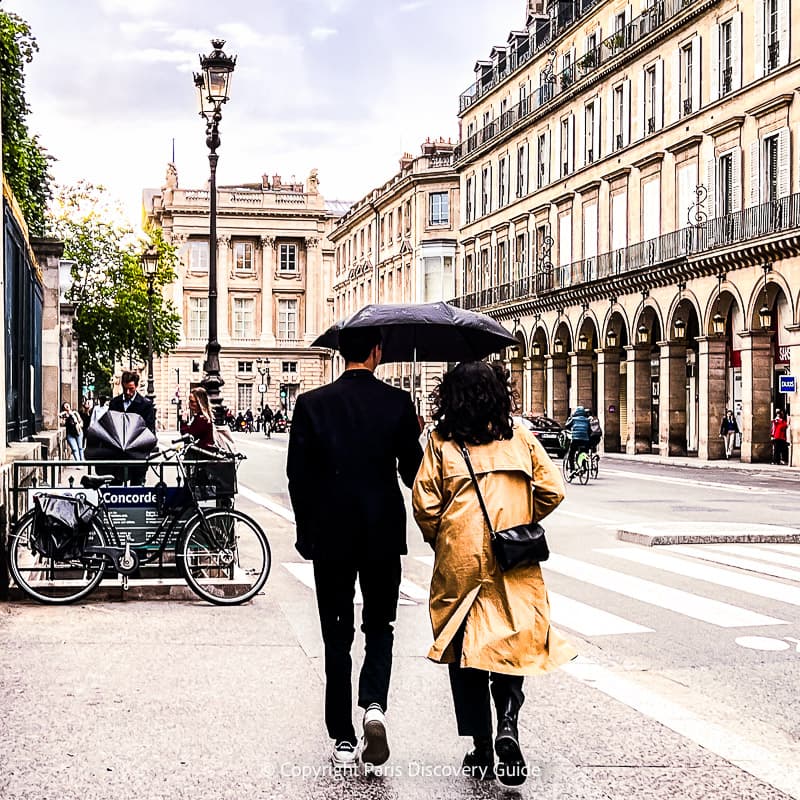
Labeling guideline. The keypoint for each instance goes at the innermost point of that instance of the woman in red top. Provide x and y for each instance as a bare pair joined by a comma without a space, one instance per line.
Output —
780,447
200,425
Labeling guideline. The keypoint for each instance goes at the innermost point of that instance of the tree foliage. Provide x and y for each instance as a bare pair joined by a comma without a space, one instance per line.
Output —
25,162
109,290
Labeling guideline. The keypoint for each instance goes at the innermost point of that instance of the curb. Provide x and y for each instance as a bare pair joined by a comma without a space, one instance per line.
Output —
788,473
747,534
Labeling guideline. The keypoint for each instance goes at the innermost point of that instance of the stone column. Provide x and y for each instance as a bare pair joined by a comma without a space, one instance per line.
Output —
538,393
224,270
608,398
526,385
711,380
793,342
268,268
581,388
515,370
638,358
557,399
672,399
757,368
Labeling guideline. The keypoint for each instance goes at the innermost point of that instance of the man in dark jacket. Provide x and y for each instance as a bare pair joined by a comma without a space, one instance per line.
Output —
347,442
578,423
131,402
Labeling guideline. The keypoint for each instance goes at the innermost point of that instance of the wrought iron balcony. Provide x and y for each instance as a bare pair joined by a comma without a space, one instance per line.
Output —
773,55
619,142
687,106
651,125
726,84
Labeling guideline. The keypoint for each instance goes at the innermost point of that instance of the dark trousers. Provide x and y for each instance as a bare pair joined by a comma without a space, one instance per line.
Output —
470,688
576,446
380,587
780,451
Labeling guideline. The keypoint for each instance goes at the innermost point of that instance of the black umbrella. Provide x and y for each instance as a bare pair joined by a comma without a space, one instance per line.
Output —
114,434
425,332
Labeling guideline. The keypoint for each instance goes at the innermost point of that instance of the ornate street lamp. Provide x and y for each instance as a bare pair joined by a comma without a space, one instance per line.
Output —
643,334
262,365
718,324
558,346
536,349
611,338
679,327
213,85
149,263
583,342
764,314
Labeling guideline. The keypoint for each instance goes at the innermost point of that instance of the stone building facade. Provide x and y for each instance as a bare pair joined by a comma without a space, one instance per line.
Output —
274,262
630,175
398,244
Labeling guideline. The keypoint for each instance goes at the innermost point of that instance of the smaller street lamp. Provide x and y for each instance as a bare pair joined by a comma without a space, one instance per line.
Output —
583,342
680,329
643,334
149,263
718,324
262,366
764,314
611,339
536,349
558,346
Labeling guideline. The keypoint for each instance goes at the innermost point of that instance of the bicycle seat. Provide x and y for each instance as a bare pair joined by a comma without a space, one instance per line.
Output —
96,481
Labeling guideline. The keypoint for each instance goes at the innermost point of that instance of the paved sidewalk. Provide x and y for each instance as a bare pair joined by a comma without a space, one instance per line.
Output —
791,473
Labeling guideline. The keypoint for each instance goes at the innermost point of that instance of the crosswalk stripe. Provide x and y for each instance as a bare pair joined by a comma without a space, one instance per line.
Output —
760,554
678,601
720,557
588,620
304,572
782,547
732,580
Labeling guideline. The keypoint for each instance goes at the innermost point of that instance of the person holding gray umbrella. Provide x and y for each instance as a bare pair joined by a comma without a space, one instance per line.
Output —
347,443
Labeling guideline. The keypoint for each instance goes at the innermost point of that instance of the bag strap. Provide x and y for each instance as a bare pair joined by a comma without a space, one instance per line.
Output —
465,453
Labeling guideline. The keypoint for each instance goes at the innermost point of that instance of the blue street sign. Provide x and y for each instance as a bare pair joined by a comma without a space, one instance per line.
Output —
787,384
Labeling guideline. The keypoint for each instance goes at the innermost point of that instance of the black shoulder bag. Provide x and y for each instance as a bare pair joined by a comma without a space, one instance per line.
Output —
519,546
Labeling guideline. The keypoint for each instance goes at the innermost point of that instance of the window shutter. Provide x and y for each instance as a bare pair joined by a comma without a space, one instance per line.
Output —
547,157
628,14
758,38
596,131
626,111
736,50
736,179
784,14
784,163
676,85
659,94
696,72
711,185
755,173
642,132
714,88
571,143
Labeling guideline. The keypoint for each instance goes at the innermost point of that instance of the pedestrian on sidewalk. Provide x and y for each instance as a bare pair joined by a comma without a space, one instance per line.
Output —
73,427
728,430
490,627
200,425
780,445
347,441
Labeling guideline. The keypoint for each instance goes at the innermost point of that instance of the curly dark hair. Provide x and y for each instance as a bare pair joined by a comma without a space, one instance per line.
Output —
472,404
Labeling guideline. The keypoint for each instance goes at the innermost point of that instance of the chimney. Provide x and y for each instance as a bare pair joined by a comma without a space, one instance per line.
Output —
406,160
276,182
265,181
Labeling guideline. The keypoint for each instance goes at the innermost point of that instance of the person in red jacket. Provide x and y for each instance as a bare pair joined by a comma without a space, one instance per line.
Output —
780,445
200,424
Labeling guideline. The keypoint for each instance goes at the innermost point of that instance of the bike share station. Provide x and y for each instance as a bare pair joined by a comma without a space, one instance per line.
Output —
82,526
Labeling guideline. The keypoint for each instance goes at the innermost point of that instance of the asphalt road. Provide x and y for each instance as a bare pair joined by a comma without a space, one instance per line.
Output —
684,688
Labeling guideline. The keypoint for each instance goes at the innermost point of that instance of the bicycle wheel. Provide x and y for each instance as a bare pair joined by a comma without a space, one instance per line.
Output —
595,466
568,473
224,556
583,468
49,580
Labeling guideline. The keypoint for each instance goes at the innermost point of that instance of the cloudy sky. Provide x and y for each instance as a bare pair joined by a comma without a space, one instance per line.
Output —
341,85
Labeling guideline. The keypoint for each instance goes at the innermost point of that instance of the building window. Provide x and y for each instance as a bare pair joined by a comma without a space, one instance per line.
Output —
726,184
771,38
502,261
289,366
771,169
198,318
687,79
243,318
439,278
619,117
590,155
486,191
287,318
520,259
198,256
288,258
468,281
439,208
542,159
470,209
502,184
243,256
650,99
389,227
726,58
566,129
244,395
244,366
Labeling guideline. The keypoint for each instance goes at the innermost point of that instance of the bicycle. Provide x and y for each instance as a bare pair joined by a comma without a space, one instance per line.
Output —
594,465
582,466
222,554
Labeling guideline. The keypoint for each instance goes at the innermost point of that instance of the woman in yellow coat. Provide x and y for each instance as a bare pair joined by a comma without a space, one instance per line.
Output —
491,628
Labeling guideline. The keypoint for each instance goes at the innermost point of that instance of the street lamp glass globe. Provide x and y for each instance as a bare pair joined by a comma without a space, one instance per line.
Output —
558,346
643,334
718,324
217,71
764,317
680,329
149,261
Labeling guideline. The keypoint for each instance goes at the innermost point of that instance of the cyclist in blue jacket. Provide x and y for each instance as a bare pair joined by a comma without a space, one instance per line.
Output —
578,423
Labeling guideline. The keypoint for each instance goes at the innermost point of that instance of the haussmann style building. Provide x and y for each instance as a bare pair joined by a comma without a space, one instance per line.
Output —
630,184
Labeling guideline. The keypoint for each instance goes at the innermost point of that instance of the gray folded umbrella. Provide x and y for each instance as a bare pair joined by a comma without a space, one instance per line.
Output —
425,332
115,434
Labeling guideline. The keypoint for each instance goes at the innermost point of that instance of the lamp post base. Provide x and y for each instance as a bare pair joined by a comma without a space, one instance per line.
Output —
212,382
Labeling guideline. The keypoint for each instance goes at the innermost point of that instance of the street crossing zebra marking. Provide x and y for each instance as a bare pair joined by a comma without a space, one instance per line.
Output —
777,550
678,601
271,505
410,593
691,569
722,557
588,620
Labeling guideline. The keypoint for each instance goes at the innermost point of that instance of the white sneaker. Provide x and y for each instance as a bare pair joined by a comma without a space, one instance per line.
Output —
375,748
344,754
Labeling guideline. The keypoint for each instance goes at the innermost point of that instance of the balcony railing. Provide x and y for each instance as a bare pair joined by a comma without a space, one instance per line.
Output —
773,55
738,228
540,38
727,81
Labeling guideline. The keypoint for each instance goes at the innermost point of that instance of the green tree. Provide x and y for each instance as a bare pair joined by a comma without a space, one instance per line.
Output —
109,289
25,162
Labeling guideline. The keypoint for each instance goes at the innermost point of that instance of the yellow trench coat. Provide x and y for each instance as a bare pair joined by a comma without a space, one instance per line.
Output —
508,614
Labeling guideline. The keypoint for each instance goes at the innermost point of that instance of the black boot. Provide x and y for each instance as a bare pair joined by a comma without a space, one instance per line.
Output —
511,769
479,762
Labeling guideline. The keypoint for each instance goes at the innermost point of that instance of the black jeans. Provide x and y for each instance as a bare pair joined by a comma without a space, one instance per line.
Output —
470,688
380,588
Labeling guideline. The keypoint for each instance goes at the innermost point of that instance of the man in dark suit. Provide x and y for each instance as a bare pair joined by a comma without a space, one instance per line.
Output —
131,402
347,442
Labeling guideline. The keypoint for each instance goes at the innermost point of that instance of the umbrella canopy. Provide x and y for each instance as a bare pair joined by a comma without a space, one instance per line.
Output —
114,434
425,332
